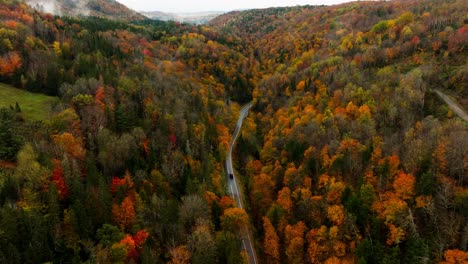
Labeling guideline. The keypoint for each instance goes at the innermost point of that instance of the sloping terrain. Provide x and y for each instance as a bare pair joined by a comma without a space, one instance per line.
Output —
346,156
147,99
100,8
349,161
33,106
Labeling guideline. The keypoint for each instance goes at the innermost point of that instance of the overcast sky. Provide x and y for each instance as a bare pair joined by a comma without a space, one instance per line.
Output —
216,5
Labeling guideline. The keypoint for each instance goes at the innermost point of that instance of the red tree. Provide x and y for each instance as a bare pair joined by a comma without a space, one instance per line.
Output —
59,180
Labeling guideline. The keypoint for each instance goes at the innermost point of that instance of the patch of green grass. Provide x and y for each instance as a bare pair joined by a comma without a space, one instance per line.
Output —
33,106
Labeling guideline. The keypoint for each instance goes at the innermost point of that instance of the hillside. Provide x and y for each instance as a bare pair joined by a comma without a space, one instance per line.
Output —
32,106
141,124
351,155
347,155
100,8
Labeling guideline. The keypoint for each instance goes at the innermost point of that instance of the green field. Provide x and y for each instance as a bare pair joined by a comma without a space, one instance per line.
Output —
33,106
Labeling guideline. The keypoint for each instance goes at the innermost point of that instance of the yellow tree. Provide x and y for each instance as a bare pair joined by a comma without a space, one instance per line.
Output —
179,255
223,138
294,235
335,191
270,242
262,191
71,145
317,250
284,199
335,214
234,219
124,214
404,185
455,256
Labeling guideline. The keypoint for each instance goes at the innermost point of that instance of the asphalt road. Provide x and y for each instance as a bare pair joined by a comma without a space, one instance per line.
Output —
247,244
454,106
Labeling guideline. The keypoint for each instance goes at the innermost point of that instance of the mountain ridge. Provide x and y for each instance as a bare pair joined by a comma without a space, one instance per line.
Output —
100,8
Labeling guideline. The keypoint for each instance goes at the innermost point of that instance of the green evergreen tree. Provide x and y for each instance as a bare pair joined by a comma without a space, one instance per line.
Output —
109,234
17,108
10,141
228,247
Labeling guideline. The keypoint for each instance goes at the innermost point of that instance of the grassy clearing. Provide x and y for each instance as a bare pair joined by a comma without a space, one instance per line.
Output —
33,106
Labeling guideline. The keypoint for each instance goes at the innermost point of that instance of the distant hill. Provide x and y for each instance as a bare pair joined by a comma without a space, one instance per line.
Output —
193,18
100,8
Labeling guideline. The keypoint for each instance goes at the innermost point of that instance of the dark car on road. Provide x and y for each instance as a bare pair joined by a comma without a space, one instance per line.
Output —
231,176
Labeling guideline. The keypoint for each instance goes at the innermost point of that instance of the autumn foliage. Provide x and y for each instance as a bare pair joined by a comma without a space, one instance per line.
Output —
59,180
455,256
271,242
134,244
124,213
348,155
9,63
350,145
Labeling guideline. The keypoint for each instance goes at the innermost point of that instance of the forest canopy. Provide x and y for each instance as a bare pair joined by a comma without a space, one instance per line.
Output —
347,156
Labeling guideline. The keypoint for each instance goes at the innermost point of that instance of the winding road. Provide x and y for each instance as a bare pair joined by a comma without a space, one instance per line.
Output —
247,244
454,106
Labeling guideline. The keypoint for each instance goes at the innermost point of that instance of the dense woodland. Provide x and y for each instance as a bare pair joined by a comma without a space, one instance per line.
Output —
347,156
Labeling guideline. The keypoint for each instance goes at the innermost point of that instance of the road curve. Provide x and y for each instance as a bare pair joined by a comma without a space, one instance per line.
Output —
454,106
233,187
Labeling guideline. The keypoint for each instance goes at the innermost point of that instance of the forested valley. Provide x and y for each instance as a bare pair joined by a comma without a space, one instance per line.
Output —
348,155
